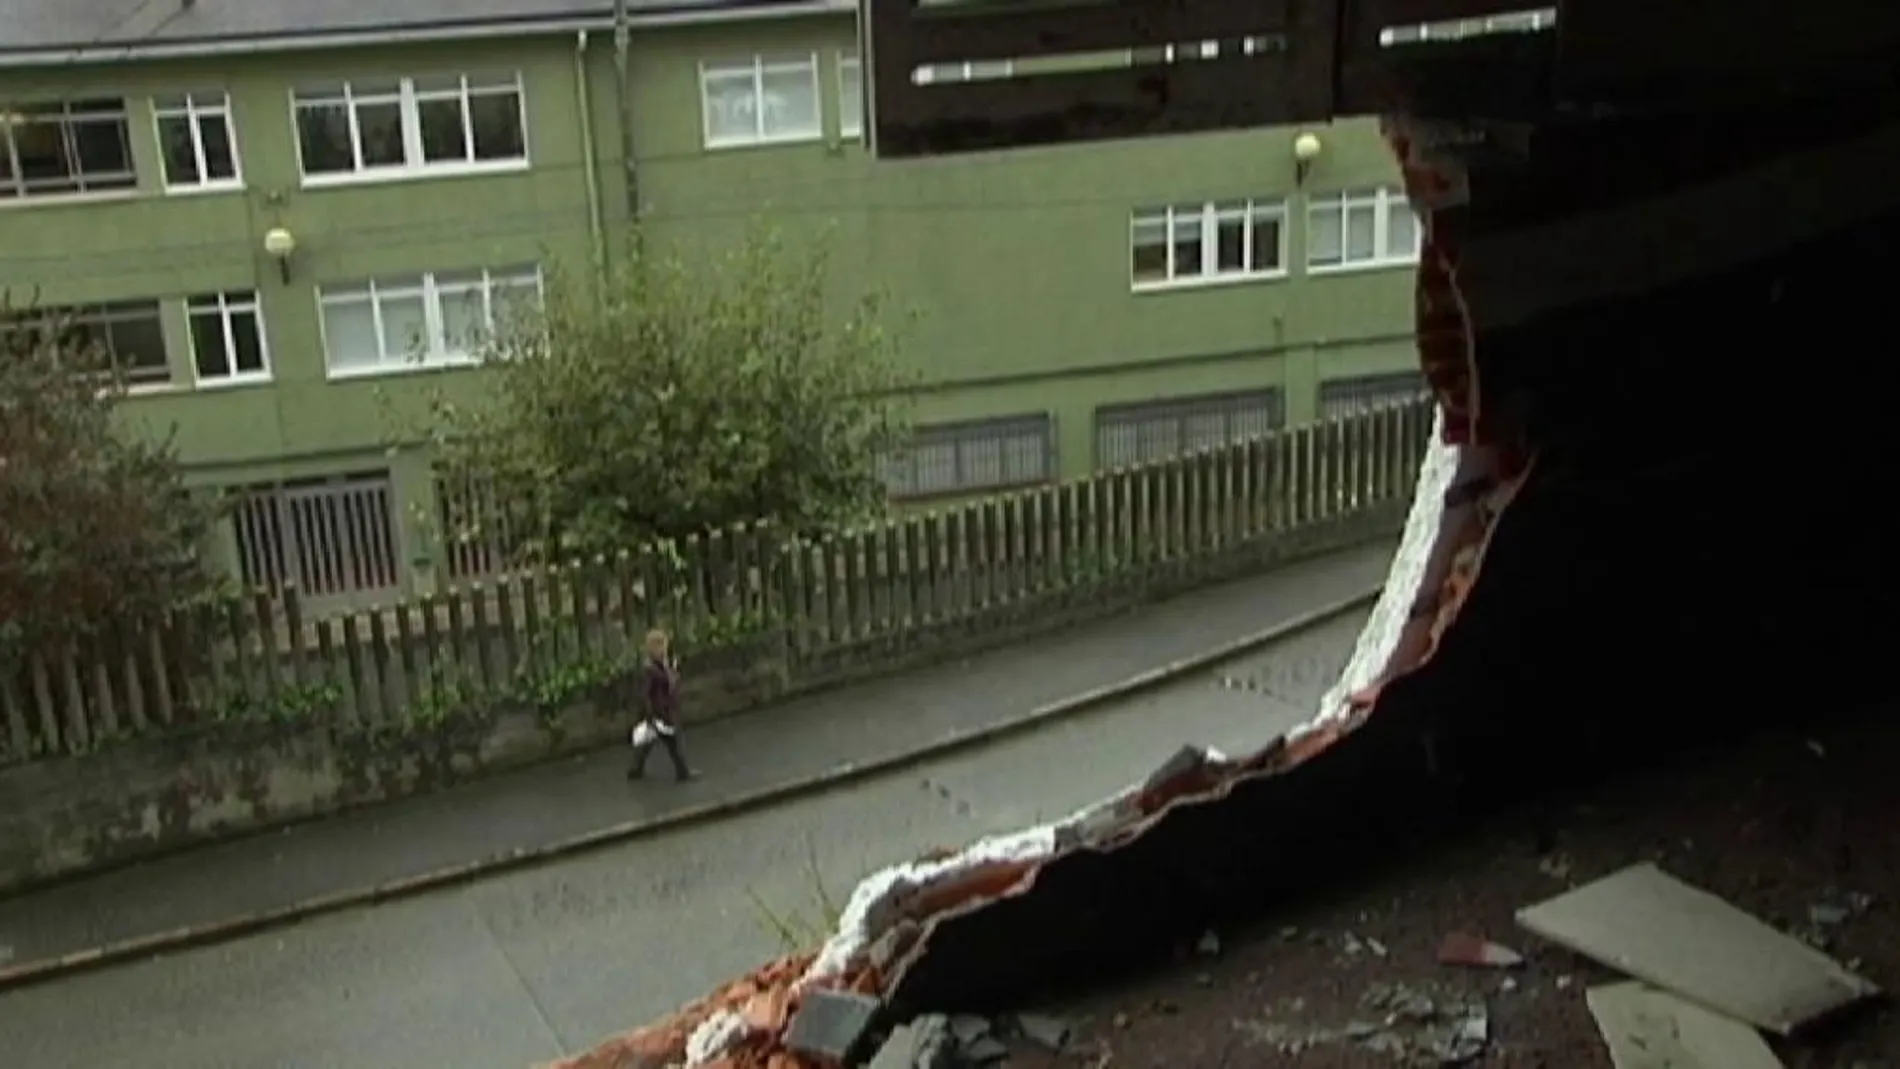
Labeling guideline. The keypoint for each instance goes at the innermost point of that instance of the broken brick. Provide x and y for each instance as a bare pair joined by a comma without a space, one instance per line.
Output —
1463,948
831,1025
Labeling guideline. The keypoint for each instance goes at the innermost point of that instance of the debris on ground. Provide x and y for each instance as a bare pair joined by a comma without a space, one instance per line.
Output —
831,1026
1776,838
966,1041
1413,1025
1463,948
1648,924
1647,1026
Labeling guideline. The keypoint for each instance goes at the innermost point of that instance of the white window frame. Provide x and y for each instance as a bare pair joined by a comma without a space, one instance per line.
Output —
436,352
851,61
193,111
758,66
226,306
1382,202
64,114
407,99
1209,216
970,70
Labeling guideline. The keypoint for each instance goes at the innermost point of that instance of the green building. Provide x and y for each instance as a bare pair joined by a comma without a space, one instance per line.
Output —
259,211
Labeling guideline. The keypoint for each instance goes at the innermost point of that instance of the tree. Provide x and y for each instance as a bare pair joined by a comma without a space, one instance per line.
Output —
657,398
96,524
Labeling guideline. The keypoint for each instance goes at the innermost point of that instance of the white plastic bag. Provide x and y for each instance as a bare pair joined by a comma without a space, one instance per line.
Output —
647,732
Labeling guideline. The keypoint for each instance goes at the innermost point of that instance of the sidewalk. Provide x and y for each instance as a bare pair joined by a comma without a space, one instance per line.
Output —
779,747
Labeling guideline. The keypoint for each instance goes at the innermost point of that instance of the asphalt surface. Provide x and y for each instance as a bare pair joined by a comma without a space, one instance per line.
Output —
542,962
791,742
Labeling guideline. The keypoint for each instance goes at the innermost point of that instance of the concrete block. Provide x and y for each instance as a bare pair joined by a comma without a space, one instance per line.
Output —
831,1026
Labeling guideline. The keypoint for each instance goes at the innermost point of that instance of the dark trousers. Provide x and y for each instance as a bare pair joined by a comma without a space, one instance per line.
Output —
668,739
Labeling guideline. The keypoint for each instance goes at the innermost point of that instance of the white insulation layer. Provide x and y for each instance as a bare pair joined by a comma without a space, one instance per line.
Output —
869,909
1410,563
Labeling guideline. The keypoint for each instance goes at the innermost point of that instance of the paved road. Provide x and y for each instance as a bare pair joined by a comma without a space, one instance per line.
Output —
542,962
793,741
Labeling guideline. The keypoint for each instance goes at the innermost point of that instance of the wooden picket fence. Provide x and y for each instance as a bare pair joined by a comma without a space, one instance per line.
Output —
261,657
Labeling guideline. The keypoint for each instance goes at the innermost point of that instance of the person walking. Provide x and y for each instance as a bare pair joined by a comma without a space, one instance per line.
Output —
661,725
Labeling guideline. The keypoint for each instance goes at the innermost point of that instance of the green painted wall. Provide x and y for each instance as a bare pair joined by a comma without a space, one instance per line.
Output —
155,244
1016,263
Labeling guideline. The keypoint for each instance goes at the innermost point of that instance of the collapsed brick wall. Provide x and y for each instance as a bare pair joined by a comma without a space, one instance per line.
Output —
888,921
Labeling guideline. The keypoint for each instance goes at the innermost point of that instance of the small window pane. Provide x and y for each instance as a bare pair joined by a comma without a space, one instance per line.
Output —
463,321
496,118
323,137
443,137
1265,241
379,127
1361,244
850,98
349,335
1149,236
1188,260
1325,234
208,350
102,147
176,151
731,102
405,327
1401,231
1230,241
214,134
790,102
247,331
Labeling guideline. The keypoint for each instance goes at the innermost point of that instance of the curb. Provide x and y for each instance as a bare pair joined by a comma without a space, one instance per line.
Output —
186,938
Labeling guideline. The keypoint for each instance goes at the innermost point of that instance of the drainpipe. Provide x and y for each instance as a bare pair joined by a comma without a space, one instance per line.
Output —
623,101
590,155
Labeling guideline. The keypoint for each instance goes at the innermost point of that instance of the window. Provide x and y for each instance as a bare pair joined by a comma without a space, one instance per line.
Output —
1127,435
760,101
1345,397
427,320
403,126
227,338
959,458
196,143
1208,242
128,333
1360,229
327,537
850,97
49,150
973,70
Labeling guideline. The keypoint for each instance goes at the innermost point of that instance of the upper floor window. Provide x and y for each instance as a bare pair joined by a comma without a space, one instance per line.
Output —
127,333
227,338
55,149
850,97
430,320
971,70
196,142
1361,228
760,101
1208,242
381,129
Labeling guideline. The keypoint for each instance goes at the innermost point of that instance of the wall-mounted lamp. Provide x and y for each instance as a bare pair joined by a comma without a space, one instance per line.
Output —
280,245
1306,149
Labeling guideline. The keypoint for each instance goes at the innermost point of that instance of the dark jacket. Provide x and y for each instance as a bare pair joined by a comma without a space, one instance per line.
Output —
663,689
